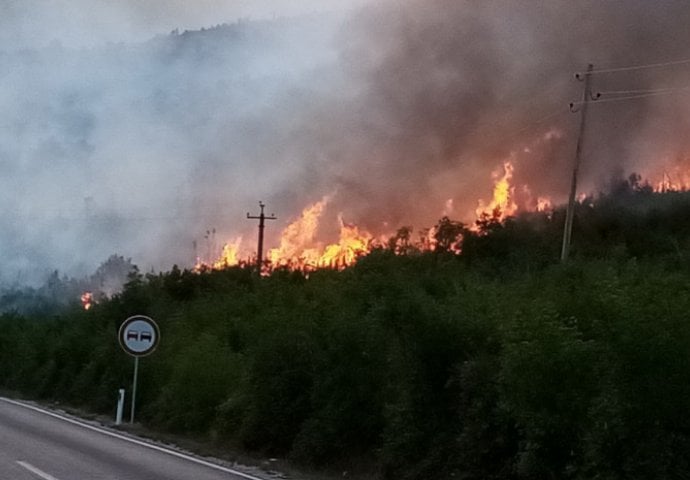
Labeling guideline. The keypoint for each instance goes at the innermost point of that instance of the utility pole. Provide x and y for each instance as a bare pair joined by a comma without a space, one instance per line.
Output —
570,212
260,250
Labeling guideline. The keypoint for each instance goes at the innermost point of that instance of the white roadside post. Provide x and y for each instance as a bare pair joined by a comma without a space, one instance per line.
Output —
138,336
120,406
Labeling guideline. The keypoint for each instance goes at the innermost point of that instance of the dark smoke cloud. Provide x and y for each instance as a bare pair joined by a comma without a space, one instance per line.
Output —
142,148
449,89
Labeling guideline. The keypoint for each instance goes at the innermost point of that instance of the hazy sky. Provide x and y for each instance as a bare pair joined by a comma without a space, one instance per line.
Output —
90,22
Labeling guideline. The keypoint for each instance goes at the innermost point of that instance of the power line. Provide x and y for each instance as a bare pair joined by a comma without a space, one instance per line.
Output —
115,218
640,67
652,93
617,96
642,91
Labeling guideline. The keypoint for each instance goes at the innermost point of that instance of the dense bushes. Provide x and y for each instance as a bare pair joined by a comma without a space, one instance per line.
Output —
421,366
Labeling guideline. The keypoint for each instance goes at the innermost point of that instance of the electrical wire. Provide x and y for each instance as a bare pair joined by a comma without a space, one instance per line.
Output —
114,218
638,67
641,92
652,93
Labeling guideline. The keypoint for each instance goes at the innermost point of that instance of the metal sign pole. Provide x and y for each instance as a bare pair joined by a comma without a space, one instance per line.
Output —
134,388
138,336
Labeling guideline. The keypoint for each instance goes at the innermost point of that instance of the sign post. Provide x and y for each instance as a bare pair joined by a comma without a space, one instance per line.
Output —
138,336
134,389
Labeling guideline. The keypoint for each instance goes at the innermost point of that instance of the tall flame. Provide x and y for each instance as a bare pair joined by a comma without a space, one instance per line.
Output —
502,204
299,248
297,240
229,256
353,243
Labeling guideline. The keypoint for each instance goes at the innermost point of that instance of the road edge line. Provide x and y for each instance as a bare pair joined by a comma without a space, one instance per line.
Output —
132,440
36,471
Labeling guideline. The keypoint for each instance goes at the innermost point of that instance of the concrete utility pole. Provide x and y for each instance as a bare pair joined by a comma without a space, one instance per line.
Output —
570,212
260,249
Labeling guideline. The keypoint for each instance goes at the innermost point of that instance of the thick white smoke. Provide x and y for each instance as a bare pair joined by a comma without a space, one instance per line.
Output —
142,145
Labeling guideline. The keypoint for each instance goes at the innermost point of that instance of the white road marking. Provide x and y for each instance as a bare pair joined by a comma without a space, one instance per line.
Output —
36,471
130,440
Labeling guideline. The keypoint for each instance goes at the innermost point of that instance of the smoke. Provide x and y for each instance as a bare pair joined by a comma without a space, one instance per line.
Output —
451,89
156,149
86,23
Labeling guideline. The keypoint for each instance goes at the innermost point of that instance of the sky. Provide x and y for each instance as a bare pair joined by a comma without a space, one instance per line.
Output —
118,137
86,23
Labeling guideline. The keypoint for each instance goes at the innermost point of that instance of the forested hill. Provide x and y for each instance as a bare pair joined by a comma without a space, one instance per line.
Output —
498,363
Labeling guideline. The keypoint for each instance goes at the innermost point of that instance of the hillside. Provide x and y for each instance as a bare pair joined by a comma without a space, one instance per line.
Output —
497,363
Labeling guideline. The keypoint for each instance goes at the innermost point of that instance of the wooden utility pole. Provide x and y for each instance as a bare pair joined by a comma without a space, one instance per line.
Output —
260,250
570,212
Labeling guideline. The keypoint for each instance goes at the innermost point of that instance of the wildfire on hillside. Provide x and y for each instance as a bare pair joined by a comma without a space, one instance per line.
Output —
675,176
300,248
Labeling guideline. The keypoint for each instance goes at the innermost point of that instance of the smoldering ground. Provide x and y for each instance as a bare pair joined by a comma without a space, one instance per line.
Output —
142,147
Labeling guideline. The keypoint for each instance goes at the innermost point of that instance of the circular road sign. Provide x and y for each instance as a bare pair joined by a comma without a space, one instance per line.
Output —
139,335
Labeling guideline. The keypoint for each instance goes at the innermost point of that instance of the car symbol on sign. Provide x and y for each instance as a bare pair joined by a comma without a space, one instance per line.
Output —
139,335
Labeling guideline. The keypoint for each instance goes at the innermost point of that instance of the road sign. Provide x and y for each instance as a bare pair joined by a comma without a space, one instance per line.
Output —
139,335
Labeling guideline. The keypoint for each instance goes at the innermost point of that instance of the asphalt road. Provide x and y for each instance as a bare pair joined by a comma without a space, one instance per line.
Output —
36,444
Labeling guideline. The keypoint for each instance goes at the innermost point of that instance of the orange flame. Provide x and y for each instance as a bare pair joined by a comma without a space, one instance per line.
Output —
299,248
229,257
544,204
353,243
502,204
667,174
87,300
677,181
297,240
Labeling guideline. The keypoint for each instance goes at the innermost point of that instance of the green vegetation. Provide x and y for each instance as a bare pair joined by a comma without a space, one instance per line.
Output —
498,363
